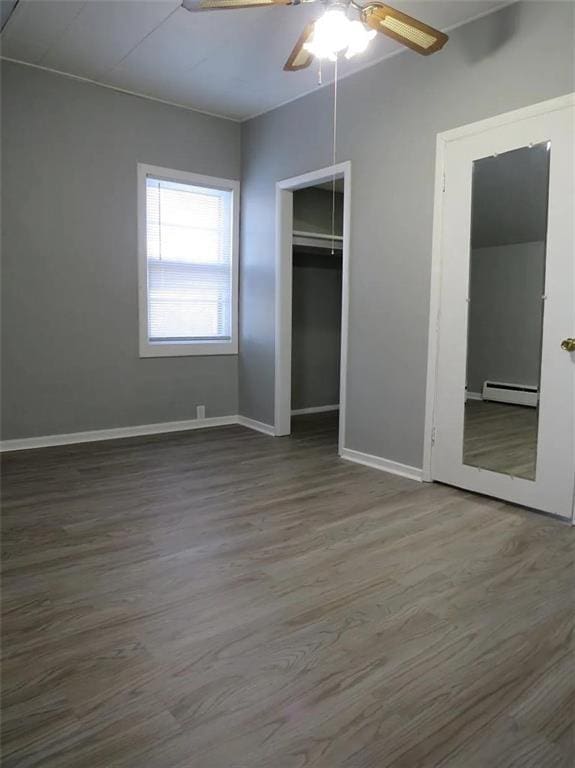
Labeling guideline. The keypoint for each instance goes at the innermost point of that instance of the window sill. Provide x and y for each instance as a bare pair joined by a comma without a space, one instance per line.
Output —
186,349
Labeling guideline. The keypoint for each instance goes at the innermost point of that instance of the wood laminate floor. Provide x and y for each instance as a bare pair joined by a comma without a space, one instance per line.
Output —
501,437
222,599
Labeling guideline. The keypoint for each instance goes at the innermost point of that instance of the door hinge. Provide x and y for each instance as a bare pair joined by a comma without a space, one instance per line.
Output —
433,436
444,182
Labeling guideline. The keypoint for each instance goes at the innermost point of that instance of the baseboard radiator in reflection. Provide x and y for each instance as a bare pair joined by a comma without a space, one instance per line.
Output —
517,394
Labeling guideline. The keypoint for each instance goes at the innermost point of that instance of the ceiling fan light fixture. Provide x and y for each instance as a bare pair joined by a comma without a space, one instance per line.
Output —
334,32
330,34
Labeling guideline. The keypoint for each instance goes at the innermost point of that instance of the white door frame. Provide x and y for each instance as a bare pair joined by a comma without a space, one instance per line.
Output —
284,276
436,263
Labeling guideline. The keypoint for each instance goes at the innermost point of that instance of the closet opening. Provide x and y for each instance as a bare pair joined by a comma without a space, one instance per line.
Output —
317,247
312,270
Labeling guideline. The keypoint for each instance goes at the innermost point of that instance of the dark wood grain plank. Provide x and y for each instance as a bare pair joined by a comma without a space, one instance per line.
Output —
221,599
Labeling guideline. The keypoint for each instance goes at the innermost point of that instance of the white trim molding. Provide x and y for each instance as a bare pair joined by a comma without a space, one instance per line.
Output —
258,426
315,409
384,465
193,347
283,290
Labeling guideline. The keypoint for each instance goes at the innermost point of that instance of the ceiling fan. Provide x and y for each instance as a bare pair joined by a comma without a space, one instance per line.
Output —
336,31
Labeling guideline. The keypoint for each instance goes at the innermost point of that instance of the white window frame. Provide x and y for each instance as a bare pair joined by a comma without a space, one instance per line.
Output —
184,348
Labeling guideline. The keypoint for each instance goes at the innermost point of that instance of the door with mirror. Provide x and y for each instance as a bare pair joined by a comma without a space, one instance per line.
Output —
504,410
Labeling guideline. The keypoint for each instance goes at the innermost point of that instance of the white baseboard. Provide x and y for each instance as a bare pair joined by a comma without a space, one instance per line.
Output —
113,434
473,396
97,435
377,462
315,409
259,426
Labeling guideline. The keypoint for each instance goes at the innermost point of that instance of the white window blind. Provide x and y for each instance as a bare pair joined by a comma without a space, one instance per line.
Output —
189,262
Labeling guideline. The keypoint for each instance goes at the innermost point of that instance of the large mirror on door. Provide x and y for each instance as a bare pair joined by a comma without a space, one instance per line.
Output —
506,306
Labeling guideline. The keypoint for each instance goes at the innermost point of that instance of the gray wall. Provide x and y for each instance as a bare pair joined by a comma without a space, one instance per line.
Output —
316,329
312,209
70,288
389,116
505,314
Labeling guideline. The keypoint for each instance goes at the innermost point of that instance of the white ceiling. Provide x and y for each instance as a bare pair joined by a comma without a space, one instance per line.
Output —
228,63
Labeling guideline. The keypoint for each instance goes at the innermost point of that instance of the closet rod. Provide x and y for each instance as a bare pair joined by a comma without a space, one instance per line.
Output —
317,235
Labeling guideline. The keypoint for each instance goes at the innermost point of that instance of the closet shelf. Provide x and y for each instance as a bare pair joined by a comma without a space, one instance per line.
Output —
316,240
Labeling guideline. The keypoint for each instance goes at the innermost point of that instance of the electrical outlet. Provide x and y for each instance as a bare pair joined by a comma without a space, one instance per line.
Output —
200,411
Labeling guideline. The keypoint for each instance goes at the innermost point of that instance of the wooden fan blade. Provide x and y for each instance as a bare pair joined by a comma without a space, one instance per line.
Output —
226,5
299,58
405,29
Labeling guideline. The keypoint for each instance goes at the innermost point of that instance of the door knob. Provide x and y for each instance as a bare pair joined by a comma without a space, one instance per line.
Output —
568,345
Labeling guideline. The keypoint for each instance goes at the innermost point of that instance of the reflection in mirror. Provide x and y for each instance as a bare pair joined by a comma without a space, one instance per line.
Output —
505,320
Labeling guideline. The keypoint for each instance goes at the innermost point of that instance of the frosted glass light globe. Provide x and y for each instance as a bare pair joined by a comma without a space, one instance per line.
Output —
358,38
334,32
330,35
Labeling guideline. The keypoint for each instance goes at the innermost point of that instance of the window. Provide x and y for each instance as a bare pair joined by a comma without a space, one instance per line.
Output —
188,240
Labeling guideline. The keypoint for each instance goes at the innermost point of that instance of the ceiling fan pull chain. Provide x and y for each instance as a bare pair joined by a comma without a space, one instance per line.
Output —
319,77
333,158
